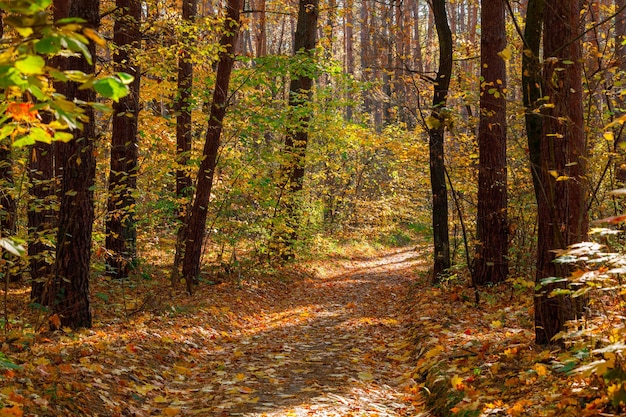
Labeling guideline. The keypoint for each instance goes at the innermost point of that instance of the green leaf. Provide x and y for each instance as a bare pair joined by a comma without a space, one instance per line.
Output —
125,78
63,136
30,65
49,45
7,130
110,88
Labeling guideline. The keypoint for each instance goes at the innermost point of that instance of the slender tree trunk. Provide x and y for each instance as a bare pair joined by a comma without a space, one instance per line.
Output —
349,51
183,134
297,137
261,32
70,294
41,221
121,235
531,86
366,53
490,262
436,133
42,217
562,203
204,183
620,103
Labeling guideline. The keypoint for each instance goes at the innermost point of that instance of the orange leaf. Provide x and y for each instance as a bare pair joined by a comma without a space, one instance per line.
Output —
55,320
22,111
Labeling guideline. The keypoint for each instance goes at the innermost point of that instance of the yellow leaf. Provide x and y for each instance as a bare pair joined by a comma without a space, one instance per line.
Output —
496,324
171,411
541,369
160,399
608,136
434,352
432,122
457,382
506,53
94,36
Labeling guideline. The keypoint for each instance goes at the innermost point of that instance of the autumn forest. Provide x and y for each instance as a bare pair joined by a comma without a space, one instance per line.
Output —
312,208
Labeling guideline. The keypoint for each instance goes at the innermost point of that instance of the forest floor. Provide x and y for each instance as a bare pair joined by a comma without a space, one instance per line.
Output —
326,339
360,334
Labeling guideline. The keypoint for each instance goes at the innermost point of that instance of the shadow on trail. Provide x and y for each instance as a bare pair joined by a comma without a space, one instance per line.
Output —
336,349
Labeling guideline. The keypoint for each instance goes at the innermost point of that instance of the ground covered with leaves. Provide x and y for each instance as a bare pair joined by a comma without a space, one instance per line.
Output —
324,339
358,335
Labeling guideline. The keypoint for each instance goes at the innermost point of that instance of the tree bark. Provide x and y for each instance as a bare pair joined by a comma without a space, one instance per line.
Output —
183,134
532,86
490,261
204,183
70,293
297,137
121,234
436,134
562,203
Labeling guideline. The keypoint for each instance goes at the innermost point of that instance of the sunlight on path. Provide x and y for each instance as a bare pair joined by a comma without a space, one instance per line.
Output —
339,351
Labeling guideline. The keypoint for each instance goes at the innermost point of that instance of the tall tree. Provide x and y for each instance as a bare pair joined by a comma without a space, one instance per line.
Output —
531,86
562,203
297,138
436,132
183,128
42,218
70,291
195,228
121,234
490,261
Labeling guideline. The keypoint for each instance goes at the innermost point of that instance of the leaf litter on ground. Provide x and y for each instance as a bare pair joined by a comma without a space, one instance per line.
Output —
325,339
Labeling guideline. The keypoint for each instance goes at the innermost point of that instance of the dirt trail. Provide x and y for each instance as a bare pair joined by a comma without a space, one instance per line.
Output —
327,343
340,354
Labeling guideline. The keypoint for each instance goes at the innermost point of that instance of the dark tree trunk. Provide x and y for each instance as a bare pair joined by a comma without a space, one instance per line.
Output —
620,103
41,221
183,134
531,86
70,292
562,203
436,133
121,235
42,217
197,218
297,138
490,262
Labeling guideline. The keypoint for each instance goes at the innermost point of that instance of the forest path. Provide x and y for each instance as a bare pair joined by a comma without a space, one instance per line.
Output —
333,345
322,339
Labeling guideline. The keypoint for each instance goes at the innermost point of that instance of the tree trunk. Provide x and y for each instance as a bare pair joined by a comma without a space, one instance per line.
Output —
620,103
490,262
349,52
297,137
183,134
197,218
532,86
41,221
121,235
562,203
436,133
70,293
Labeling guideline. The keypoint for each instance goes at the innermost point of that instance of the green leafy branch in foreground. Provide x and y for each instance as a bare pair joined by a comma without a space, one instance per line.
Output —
28,75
